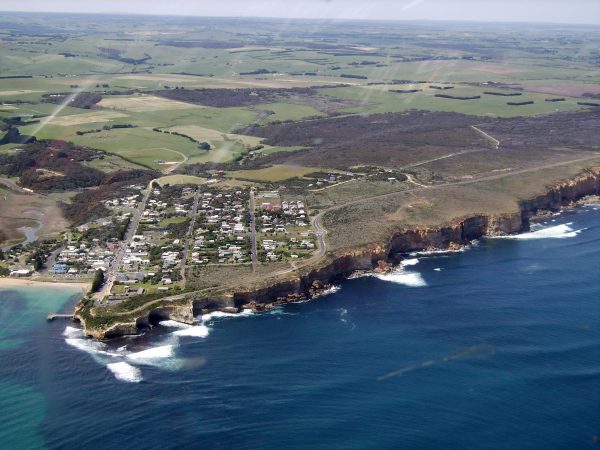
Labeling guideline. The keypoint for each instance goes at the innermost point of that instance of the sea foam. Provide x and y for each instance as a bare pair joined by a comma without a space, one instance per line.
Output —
174,324
410,279
222,315
409,262
555,232
121,362
125,372
194,331
163,351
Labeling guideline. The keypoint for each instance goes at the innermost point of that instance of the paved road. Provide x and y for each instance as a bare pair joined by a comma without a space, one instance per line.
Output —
186,245
253,250
124,244
320,231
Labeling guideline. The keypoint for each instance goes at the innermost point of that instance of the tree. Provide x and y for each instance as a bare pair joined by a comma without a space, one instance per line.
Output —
98,280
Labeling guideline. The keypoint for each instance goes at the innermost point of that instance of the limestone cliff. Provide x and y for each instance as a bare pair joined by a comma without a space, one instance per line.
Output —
453,235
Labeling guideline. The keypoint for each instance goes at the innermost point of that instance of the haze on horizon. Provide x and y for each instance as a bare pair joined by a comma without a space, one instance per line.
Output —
544,11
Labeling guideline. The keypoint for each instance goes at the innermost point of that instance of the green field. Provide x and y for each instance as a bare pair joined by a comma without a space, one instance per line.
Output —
379,99
288,111
275,173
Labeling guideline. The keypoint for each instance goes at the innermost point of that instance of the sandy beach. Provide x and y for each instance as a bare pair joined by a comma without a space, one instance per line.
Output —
6,283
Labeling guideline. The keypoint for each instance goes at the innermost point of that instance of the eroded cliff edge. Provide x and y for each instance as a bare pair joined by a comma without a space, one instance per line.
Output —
335,268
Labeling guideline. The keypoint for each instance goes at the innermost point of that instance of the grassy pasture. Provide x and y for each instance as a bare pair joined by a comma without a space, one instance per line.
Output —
141,145
214,136
143,103
275,173
378,99
288,111
180,179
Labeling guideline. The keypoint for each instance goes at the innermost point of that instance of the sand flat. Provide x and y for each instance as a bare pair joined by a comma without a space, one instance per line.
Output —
7,283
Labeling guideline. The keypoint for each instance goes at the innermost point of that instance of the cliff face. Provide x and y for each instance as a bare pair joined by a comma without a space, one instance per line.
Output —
458,233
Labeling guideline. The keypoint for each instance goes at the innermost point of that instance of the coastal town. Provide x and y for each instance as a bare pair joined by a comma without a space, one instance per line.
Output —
157,232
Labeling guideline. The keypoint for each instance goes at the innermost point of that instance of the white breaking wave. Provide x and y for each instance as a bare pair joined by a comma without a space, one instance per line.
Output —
556,232
164,351
121,362
441,253
174,324
125,372
409,262
194,331
72,332
186,330
410,279
438,269
221,315
90,346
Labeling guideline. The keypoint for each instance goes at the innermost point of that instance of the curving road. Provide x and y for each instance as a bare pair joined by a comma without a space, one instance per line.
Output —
321,231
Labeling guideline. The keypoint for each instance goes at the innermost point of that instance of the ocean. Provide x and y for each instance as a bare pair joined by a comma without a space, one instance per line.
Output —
497,346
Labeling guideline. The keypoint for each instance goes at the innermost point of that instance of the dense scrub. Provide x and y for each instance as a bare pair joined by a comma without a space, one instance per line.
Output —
84,100
223,98
390,139
87,205
575,129
52,166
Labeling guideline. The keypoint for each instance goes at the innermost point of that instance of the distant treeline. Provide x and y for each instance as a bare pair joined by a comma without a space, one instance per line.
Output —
202,44
504,94
529,102
405,91
8,77
189,74
106,128
201,145
408,81
115,54
359,77
222,98
441,88
456,97
258,72
555,99
362,63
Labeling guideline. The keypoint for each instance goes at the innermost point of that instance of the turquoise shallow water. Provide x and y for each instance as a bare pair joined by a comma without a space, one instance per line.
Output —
495,347
23,313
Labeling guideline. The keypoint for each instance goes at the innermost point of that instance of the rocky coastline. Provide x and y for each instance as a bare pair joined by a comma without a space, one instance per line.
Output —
373,258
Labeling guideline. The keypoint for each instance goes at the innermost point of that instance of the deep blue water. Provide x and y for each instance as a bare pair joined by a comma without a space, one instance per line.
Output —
495,347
